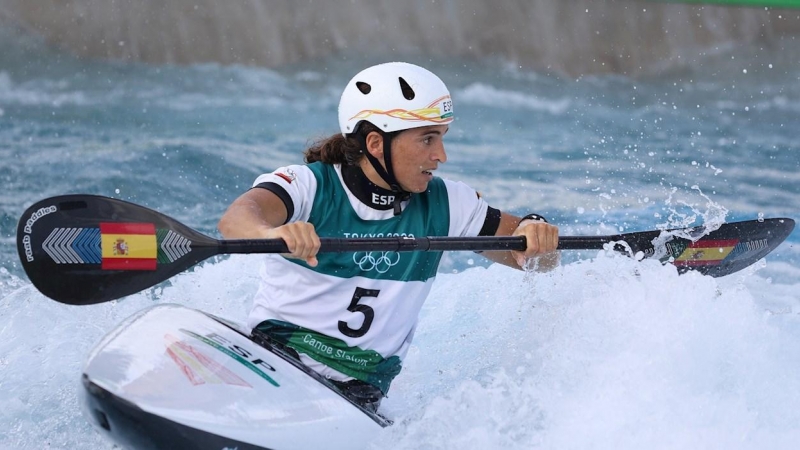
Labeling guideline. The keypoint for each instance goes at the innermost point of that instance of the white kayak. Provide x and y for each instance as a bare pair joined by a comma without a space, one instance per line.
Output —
172,377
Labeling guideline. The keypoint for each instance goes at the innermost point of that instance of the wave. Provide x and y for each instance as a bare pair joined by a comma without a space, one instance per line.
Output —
501,358
576,37
486,95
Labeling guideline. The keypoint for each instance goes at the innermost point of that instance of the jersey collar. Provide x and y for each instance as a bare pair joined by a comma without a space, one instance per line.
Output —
368,192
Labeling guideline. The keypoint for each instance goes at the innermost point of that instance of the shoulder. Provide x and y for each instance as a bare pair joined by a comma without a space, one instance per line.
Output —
467,208
319,168
286,176
459,189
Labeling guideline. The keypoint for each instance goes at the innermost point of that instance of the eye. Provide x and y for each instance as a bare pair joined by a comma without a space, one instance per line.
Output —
427,140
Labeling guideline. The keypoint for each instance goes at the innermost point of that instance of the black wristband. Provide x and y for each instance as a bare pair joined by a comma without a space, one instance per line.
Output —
533,217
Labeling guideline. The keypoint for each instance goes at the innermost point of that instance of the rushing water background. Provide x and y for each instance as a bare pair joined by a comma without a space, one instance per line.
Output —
604,352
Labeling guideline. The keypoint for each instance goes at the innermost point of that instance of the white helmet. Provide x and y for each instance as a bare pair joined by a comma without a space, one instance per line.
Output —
395,96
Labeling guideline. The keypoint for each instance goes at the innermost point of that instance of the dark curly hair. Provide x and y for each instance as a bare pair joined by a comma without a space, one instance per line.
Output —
337,149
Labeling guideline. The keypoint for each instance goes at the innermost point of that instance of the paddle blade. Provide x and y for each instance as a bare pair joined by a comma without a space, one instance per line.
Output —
86,249
721,252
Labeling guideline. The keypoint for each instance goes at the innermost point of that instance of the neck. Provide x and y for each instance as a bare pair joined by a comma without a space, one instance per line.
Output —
372,175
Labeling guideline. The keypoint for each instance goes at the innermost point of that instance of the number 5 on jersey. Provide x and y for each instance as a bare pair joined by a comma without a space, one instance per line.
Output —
369,313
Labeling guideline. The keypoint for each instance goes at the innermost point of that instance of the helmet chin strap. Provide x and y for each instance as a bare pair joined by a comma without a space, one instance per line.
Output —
387,174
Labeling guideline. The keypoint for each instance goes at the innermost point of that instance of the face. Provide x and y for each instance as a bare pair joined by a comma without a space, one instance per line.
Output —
416,153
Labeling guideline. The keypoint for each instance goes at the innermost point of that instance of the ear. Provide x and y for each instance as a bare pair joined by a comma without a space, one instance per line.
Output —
375,144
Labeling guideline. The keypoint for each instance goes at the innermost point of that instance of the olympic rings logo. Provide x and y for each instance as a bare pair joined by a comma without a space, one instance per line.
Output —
380,262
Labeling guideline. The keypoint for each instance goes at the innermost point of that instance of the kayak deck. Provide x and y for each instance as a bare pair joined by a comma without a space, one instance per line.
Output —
174,377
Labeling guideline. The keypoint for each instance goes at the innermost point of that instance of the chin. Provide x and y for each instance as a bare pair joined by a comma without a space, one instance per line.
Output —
418,186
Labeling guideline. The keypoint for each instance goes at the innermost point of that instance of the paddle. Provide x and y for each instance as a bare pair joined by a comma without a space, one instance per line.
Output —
86,249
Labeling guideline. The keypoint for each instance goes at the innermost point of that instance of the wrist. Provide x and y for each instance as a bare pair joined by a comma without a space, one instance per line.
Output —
531,218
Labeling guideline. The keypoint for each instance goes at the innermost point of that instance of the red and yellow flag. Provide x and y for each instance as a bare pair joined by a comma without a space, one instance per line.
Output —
128,246
706,253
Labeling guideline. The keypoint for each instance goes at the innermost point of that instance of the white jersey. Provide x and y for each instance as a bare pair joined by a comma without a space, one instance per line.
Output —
354,315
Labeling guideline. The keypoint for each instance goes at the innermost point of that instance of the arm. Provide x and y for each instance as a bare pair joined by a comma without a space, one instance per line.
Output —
542,241
260,214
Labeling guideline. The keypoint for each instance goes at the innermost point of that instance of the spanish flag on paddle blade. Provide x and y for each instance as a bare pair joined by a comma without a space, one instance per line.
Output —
706,253
128,246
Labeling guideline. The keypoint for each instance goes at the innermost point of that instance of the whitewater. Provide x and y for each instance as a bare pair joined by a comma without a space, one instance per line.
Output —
604,352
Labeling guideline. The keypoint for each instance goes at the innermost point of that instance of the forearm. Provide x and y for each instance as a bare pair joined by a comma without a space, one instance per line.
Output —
501,257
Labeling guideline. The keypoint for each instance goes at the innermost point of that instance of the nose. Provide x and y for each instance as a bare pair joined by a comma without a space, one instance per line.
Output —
439,154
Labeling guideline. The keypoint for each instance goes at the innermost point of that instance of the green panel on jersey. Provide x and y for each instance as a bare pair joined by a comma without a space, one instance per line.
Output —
365,365
427,214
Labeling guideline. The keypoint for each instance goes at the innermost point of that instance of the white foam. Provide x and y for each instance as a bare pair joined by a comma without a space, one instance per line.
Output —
38,93
487,95
602,354
607,353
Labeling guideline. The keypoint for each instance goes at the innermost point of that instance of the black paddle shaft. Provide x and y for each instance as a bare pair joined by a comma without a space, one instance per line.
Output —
86,249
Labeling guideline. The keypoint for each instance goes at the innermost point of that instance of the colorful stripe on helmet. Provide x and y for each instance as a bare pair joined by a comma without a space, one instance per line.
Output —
438,111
